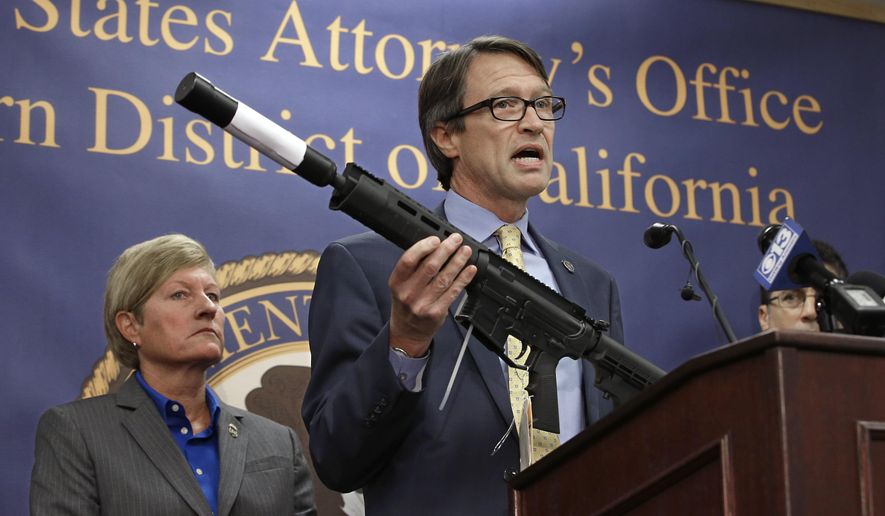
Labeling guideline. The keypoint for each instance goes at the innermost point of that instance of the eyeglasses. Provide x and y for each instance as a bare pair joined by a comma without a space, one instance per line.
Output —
791,298
513,109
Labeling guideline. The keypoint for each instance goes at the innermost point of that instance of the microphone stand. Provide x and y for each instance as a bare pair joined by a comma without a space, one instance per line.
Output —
688,252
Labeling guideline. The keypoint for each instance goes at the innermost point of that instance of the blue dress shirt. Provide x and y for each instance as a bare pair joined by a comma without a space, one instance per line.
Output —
201,450
481,224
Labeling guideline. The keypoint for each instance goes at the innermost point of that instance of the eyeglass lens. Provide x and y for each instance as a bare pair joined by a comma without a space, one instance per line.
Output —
512,109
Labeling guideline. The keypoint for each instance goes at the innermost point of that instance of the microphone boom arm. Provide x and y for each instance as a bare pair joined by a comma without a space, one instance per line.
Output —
688,252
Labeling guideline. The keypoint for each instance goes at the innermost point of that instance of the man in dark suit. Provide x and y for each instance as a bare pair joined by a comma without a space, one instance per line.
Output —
382,333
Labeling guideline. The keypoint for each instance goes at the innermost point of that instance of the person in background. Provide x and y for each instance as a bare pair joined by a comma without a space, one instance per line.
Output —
164,443
798,309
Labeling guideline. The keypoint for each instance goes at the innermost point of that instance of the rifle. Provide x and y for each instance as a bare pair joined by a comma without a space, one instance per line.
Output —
501,300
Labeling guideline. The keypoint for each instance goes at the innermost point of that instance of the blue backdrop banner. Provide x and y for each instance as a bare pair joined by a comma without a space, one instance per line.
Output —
718,116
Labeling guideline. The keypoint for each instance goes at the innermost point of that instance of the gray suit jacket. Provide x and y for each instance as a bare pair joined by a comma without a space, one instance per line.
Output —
114,455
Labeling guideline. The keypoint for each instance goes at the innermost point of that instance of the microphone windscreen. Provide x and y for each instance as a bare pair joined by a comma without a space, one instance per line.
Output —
766,236
868,279
657,235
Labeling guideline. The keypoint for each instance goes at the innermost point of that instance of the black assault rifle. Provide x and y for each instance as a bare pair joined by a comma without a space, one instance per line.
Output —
501,300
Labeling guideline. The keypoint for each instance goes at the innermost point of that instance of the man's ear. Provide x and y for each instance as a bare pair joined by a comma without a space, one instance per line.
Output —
445,140
763,317
128,326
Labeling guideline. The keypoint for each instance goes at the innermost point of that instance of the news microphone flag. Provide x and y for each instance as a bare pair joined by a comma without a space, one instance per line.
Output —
791,242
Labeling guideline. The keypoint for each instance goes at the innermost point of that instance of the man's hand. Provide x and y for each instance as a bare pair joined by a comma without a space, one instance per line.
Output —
428,277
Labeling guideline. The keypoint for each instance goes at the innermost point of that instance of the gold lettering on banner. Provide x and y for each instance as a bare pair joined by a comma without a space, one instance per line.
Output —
652,204
255,318
293,323
242,321
26,113
49,10
663,195
806,104
359,48
200,142
144,25
335,31
776,109
593,76
628,174
678,80
408,55
179,26
218,31
753,191
427,49
368,54
780,211
635,192
118,19
293,15
238,322
101,122
766,115
559,182
420,163
189,19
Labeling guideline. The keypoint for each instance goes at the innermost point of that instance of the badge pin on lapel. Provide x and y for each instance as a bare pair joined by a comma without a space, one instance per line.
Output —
233,431
569,266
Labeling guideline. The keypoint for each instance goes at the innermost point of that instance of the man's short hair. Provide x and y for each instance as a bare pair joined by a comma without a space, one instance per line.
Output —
442,91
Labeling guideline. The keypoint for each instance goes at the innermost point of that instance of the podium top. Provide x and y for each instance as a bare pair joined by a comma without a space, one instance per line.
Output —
828,343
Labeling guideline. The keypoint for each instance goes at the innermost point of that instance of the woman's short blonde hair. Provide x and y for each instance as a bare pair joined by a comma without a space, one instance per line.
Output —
134,277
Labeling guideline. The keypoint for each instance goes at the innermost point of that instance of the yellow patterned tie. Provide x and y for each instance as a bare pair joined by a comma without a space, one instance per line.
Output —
542,442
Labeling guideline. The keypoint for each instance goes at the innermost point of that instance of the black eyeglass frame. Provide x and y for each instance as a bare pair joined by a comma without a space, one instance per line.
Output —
525,107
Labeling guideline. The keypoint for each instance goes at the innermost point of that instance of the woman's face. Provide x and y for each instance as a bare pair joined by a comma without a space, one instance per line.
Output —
182,322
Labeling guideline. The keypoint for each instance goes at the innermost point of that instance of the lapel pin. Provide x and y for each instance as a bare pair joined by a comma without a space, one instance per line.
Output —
232,430
568,266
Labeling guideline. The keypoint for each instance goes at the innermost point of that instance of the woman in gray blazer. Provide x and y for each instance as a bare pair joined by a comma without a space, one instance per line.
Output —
164,443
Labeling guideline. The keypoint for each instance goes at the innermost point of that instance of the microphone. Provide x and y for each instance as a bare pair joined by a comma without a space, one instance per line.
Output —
789,259
658,235
766,236
687,292
790,262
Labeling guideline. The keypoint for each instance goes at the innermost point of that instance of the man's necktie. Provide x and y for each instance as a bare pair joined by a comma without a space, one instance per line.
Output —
542,442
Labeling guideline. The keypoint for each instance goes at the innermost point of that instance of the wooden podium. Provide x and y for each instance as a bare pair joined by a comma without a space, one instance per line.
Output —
784,423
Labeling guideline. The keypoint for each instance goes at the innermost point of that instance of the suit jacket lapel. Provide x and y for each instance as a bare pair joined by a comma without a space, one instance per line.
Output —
572,286
233,441
487,362
570,282
147,428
